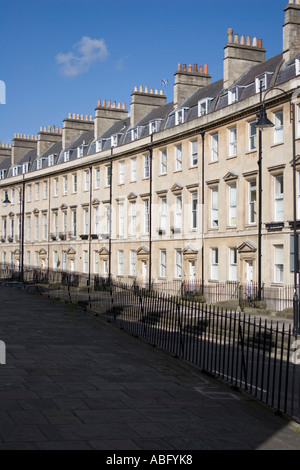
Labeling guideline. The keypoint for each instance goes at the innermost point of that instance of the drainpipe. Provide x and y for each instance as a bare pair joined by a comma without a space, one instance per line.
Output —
150,214
110,218
90,223
202,221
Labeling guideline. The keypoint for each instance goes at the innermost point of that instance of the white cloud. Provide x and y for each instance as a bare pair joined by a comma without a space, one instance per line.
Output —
86,52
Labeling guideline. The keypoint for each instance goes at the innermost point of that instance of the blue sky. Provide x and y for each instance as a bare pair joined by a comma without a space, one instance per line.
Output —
61,56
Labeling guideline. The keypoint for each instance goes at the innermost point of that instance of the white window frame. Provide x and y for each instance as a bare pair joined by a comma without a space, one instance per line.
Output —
132,270
146,216
85,261
122,172
214,147
163,263
178,212
55,186
279,198
194,210
297,66
163,213
65,185
252,202
133,169
252,136
278,264
233,95
85,221
120,262
97,178
108,175
232,205
180,116
214,264
163,162
178,157
204,106
232,142
214,213
278,127
74,182
194,152
178,264
121,219
262,79
86,180
133,218
232,264
146,166
45,227
66,155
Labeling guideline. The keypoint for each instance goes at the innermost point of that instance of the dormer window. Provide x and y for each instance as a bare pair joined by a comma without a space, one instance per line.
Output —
114,140
154,126
135,133
2,174
80,150
15,170
204,106
39,164
25,167
261,83
297,66
232,95
99,145
66,155
51,160
180,116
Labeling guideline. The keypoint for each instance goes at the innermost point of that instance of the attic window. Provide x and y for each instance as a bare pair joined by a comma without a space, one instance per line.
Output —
80,150
15,170
25,167
51,159
114,140
2,174
180,116
99,145
39,163
66,155
297,66
233,95
204,106
261,83
135,133
154,126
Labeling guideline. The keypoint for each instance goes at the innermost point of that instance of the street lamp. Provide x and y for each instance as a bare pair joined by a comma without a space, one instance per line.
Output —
22,214
263,123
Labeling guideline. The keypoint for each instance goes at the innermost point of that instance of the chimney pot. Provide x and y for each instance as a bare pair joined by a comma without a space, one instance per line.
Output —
184,67
179,67
190,69
206,69
230,35
195,68
248,41
236,39
254,43
260,43
242,40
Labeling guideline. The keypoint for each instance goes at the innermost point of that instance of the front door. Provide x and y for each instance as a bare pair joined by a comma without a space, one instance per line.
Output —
192,274
249,277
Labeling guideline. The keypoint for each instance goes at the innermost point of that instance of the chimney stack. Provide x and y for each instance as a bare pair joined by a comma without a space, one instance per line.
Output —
291,30
240,55
108,114
5,151
143,101
47,137
21,144
75,125
189,79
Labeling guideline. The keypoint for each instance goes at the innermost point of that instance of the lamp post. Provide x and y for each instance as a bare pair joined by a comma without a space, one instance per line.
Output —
22,215
262,123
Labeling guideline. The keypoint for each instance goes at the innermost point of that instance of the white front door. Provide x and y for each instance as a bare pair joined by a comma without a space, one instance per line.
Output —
249,276
144,272
192,274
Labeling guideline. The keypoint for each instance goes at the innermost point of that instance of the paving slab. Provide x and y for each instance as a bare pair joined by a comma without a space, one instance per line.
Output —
73,381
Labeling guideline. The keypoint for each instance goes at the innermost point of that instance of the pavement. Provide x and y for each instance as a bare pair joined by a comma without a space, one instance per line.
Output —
72,381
